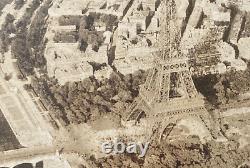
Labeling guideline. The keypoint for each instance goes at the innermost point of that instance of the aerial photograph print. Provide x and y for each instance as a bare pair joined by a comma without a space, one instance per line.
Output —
124,83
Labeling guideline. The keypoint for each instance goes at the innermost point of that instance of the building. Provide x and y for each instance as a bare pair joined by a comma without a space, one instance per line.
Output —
244,49
221,16
206,55
118,7
149,4
236,27
141,19
131,58
246,32
195,17
66,62
73,7
127,30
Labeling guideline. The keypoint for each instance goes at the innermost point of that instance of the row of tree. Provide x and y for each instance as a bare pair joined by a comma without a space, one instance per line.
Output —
222,89
28,45
182,154
19,4
7,28
90,99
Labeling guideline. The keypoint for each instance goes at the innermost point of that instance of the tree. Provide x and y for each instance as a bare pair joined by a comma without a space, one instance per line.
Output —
83,45
182,153
83,23
220,93
9,18
19,4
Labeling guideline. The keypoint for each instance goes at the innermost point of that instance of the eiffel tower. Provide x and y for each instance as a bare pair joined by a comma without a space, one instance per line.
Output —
169,93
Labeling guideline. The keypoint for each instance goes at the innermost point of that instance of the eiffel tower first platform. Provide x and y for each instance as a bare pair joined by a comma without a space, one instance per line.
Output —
169,92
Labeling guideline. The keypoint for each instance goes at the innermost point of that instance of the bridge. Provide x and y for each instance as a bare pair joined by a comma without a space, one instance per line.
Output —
41,157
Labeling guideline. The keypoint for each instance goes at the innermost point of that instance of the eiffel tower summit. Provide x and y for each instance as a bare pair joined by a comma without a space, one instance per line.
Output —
169,93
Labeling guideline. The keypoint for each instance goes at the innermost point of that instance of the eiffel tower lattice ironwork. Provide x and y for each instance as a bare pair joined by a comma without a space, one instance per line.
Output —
169,91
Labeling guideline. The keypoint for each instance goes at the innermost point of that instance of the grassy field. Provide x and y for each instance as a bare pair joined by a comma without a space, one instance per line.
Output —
8,140
3,3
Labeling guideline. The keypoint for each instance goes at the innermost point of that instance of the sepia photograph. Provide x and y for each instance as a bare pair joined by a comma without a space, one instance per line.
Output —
124,83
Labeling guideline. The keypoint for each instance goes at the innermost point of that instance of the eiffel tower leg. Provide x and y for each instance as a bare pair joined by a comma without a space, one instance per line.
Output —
188,81
138,104
215,127
210,125
139,116
219,125
165,131
134,106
